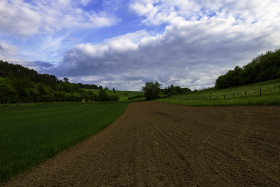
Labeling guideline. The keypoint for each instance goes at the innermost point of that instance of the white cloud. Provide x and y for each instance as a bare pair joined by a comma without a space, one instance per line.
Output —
23,19
7,49
157,12
142,9
85,2
190,54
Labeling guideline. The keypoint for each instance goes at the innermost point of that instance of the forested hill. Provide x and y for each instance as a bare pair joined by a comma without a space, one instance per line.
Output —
262,68
21,84
15,71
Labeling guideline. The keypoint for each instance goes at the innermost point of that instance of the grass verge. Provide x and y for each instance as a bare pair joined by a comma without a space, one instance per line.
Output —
29,134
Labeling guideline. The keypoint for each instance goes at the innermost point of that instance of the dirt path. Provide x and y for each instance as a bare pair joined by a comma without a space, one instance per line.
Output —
158,144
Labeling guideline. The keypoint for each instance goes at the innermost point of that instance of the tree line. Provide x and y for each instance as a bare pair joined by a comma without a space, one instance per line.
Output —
262,68
175,90
153,90
21,84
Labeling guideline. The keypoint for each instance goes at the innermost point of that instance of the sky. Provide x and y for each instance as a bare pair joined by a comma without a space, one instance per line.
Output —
122,44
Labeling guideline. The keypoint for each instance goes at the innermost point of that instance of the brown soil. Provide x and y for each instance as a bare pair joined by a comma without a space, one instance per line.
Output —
158,144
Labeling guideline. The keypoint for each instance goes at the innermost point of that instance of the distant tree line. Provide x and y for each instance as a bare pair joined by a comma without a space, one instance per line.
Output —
21,84
262,68
175,90
88,86
152,90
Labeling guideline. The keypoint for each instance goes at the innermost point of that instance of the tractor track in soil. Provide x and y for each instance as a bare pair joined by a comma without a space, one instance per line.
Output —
159,144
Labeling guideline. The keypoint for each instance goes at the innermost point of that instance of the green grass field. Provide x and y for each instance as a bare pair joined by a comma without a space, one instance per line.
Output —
124,95
265,93
31,133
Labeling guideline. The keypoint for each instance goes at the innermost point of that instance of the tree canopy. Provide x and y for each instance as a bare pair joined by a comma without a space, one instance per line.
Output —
151,90
262,68
175,90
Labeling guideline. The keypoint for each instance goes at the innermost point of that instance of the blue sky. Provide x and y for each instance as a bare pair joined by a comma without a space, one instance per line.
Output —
124,43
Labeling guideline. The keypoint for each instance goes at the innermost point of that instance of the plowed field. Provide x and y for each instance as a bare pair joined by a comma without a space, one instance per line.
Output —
158,144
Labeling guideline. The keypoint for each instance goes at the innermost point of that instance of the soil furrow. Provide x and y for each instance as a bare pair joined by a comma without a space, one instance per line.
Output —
159,144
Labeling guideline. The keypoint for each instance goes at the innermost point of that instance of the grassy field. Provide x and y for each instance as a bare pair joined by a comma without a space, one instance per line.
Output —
265,93
124,95
31,133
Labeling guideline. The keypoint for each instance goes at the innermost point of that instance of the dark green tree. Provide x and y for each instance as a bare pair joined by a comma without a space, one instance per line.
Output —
7,92
103,95
262,68
66,80
151,90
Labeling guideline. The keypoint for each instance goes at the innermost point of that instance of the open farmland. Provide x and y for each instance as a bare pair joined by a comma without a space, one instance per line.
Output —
159,144
29,134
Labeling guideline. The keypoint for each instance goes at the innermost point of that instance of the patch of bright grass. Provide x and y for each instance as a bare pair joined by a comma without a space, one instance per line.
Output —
124,95
29,134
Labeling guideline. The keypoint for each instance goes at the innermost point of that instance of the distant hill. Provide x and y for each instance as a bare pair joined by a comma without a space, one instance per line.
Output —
262,68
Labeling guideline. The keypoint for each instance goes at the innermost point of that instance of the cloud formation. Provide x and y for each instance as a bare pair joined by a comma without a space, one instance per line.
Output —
7,50
157,12
23,19
198,44
183,42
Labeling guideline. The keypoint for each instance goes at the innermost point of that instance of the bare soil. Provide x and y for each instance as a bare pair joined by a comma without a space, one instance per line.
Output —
158,144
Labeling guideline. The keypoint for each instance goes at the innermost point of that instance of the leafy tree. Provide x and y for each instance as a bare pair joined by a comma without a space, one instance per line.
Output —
151,90
34,94
66,80
103,95
7,92
87,86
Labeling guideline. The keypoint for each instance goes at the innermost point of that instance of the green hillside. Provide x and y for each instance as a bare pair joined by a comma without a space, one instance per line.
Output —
264,93
123,95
